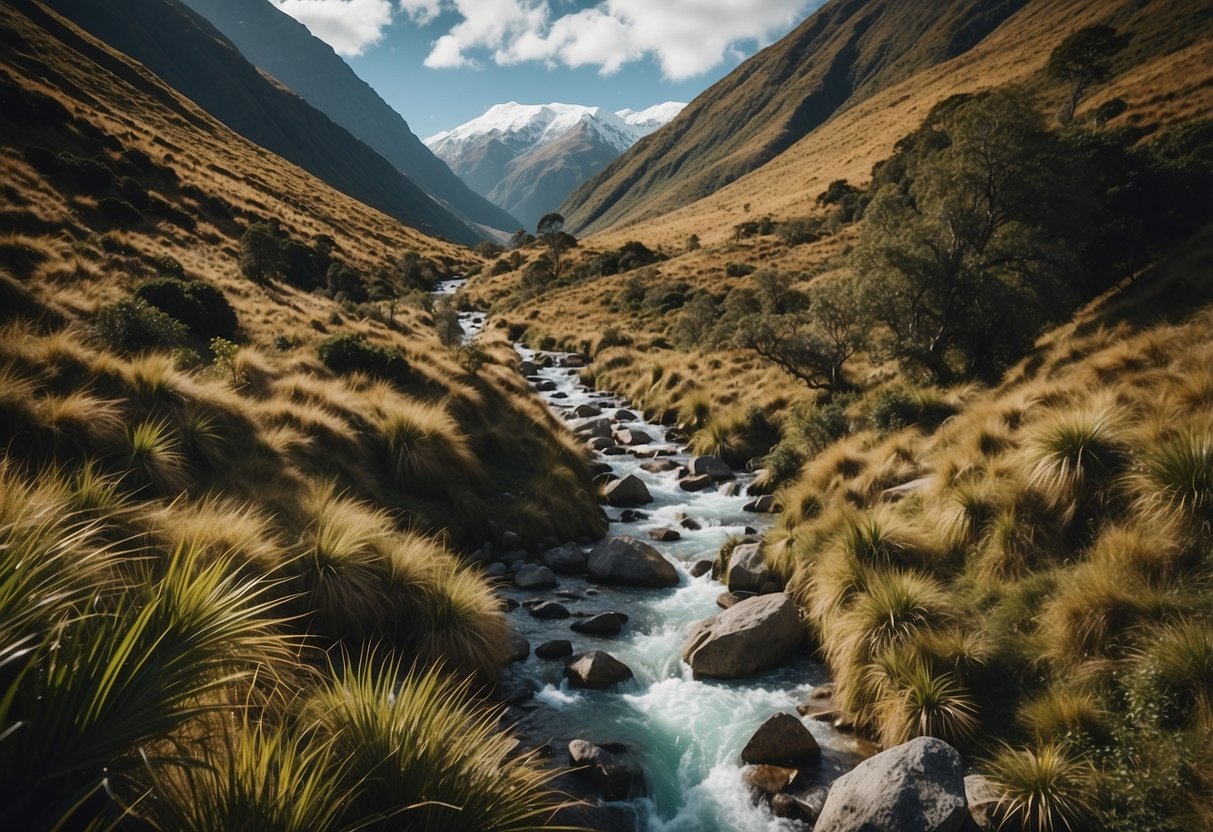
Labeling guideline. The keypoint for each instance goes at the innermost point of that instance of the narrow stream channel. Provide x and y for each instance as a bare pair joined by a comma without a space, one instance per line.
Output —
685,734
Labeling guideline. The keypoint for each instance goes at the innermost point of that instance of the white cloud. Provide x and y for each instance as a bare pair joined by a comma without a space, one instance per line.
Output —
349,26
687,37
421,12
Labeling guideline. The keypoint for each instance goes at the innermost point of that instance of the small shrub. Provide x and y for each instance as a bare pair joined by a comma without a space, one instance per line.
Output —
738,269
350,352
201,306
119,211
131,326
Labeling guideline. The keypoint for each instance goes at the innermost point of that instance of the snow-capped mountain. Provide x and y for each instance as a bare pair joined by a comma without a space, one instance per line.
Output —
527,158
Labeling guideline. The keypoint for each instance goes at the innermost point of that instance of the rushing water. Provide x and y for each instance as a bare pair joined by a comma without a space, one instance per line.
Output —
685,734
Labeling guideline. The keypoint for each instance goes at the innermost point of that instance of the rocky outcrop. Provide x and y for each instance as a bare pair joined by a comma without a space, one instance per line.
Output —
748,570
918,785
596,670
631,562
750,636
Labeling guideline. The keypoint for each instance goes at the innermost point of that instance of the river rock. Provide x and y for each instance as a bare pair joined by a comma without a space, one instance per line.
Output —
729,489
613,778
600,443
664,535
631,436
559,648
763,505
622,415
572,360
800,805
700,482
766,781
586,411
565,559
632,516
614,450
750,636
713,467
593,428
690,523
626,560
748,571
545,386
983,798
781,740
596,669
629,491
918,785
496,570
549,610
701,567
603,624
534,577
728,600
517,647
660,466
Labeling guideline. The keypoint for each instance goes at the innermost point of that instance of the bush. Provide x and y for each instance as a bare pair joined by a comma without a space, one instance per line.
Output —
133,325
260,252
201,306
738,269
119,211
350,352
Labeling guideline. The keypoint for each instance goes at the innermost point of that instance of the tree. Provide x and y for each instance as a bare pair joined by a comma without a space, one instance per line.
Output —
261,252
1082,60
964,265
814,342
549,232
521,239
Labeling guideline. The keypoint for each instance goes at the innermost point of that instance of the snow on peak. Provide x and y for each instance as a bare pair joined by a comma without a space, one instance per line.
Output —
524,127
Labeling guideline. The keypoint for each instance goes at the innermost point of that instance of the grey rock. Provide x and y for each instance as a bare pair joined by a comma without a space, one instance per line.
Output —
659,466
713,467
496,570
748,570
622,415
763,505
782,740
664,535
566,559
603,624
918,785
766,781
534,577
699,482
701,567
729,489
629,491
518,648
596,669
983,798
586,411
750,636
549,610
613,778
631,436
559,648
631,562
600,443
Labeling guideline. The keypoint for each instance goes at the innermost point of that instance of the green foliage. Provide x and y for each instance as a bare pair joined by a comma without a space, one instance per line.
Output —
898,407
351,352
201,306
131,326
261,252
225,360
1043,789
1082,60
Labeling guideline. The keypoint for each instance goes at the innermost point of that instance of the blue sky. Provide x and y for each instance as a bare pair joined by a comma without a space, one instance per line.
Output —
443,62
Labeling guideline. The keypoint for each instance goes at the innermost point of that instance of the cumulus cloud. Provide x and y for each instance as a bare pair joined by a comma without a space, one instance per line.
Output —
349,26
421,11
686,37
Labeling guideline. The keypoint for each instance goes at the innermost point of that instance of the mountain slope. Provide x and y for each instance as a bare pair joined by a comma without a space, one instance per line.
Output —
283,47
191,56
841,55
527,158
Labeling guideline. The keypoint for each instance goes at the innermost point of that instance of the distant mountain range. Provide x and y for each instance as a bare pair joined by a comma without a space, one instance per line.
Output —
527,158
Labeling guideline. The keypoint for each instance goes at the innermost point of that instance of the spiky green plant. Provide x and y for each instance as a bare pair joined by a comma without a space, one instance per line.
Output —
1173,670
919,700
426,755
259,777
153,458
1043,789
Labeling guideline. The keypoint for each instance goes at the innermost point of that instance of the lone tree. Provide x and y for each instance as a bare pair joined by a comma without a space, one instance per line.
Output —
1082,61
549,233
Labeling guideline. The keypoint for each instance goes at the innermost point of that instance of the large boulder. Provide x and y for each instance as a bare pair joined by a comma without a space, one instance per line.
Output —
555,649
632,436
748,571
566,559
750,636
603,624
613,778
781,740
549,610
517,646
699,482
629,491
586,411
534,577
918,785
596,670
597,426
626,560
713,467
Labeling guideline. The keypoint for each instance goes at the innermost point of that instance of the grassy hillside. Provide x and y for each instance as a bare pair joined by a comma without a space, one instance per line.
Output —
243,481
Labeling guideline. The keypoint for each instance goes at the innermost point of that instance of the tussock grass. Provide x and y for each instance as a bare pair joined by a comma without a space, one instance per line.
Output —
1043,789
425,447
153,459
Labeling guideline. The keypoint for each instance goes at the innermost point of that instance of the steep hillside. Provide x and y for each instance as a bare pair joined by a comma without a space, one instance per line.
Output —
841,55
528,157
192,57
1165,75
283,47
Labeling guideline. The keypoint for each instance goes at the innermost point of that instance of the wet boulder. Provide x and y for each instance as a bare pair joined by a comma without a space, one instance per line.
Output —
763,505
603,624
664,535
631,436
532,576
549,610
596,670
613,778
600,443
591,428
701,567
918,785
748,571
586,411
699,482
622,415
559,648
660,466
713,467
781,740
629,491
565,559
750,636
631,562
517,647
